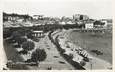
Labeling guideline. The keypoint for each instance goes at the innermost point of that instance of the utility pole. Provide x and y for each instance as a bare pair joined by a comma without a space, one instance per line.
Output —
91,63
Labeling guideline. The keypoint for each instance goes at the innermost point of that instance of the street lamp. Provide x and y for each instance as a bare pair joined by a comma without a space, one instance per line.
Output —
91,64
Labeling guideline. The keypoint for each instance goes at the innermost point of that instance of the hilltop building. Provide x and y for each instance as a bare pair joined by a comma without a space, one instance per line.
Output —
78,17
38,17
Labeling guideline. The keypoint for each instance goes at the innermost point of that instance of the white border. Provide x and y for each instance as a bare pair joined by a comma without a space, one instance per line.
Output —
1,43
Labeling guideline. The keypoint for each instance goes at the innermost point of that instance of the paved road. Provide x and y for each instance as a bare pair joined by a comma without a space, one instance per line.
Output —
53,60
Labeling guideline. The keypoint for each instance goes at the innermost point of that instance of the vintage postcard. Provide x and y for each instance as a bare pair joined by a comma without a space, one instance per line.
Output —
57,35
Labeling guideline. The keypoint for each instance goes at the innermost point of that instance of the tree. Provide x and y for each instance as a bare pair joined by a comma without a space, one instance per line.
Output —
98,23
38,55
81,17
7,33
97,52
16,36
82,63
29,34
21,40
28,45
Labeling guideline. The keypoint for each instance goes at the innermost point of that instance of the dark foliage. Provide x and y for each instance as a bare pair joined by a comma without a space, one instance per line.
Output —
82,63
23,52
38,55
98,23
61,62
29,34
36,39
21,40
17,46
16,36
86,59
28,45
7,33
97,52
24,16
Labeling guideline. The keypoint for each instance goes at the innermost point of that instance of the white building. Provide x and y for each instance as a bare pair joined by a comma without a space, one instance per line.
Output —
27,24
36,17
70,22
20,20
89,25
63,23
78,17
38,33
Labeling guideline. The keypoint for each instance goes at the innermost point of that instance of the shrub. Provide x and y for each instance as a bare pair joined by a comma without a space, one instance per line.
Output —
7,33
86,59
97,52
21,40
82,63
36,39
28,45
16,36
61,62
62,50
23,52
38,55
29,35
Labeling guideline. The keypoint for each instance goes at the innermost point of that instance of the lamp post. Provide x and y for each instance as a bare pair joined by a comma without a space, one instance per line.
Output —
91,63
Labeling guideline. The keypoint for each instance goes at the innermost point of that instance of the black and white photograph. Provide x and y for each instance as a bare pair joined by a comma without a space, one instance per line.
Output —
57,35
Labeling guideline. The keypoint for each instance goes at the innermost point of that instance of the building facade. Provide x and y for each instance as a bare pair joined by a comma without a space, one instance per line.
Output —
78,17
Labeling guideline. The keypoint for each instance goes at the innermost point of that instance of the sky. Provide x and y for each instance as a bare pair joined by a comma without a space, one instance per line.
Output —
96,9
